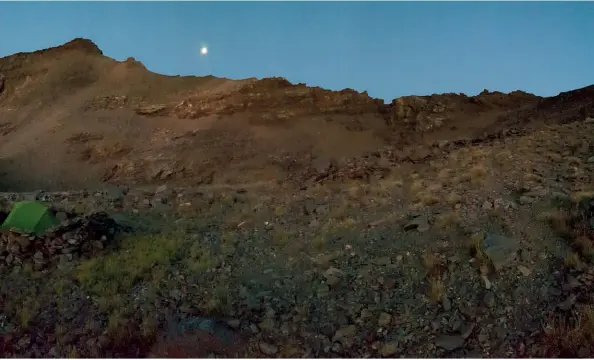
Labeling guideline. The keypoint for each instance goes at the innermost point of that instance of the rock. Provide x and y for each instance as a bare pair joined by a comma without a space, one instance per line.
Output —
384,260
524,270
590,160
449,342
446,303
420,223
384,319
345,333
487,205
115,193
526,200
389,349
571,283
489,300
583,353
466,330
268,349
333,276
161,189
568,303
267,324
500,250
366,314
234,323
536,193
61,216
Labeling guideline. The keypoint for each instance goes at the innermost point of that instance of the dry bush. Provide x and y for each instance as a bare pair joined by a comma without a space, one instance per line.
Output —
436,289
570,336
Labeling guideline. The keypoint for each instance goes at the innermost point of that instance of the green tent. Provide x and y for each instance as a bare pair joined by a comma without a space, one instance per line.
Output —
30,217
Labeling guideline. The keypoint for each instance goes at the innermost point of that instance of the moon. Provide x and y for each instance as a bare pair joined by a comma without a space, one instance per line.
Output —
203,50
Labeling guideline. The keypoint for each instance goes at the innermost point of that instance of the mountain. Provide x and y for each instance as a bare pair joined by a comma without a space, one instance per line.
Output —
72,117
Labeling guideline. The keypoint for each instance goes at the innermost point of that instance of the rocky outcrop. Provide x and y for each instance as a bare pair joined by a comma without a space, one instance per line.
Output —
427,113
277,98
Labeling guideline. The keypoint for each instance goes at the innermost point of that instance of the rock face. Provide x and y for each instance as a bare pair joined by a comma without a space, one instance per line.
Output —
81,236
426,113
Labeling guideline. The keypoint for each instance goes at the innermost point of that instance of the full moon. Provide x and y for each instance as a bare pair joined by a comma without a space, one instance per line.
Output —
203,50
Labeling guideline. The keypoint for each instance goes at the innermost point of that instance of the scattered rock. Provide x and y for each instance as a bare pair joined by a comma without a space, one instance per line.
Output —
384,319
268,349
446,303
420,223
571,283
161,189
346,332
333,276
487,205
489,299
568,303
500,250
267,324
524,270
389,349
234,323
466,330
449,342
526,200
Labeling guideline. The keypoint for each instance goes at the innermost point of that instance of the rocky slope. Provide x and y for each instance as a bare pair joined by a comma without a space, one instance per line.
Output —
260,218
118,122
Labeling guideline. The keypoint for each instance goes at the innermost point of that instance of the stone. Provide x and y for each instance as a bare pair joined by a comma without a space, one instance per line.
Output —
466,330
384,260
446,303
571,283
267,324
487,205
489,299
449,342
61,216
366,314
267,349
389,349
384,319
500,250
161,189
524,270
526,200
234,323
420,223
568,303
346,332
333,276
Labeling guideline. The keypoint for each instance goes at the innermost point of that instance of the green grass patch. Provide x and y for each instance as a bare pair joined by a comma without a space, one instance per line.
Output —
138,258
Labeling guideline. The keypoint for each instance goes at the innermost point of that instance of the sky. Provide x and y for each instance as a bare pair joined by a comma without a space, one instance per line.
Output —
389,49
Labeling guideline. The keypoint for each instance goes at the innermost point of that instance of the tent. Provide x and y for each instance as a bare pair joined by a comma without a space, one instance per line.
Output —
30,217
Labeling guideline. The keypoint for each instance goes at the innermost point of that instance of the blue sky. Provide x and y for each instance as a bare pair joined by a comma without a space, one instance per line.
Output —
389,49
